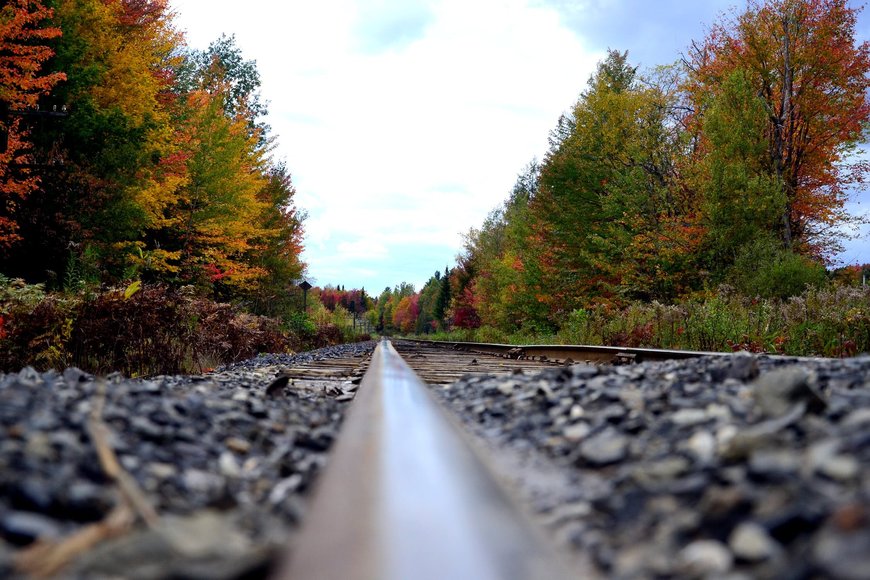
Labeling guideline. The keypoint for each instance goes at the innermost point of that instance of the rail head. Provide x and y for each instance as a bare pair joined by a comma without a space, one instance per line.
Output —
405,496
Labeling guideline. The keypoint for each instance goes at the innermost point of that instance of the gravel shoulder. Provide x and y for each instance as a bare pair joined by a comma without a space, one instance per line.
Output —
745,467
226,465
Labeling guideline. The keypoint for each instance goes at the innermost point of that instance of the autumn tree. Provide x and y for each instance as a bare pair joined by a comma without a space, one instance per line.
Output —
609,222
731,166
219,210
109,182
355,301
280,245
406,312
223,68
163,169
24,48
463,302
802,59
507,285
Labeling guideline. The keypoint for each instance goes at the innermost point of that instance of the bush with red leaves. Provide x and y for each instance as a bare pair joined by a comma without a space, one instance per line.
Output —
157,330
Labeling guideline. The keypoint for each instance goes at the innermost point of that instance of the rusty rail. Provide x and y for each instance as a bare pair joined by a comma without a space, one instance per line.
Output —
404,496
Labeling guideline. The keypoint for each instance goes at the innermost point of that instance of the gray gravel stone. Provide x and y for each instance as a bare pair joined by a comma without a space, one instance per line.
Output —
778,391
603,448
25,527
844,555
751,542
207,451
703,558
736,467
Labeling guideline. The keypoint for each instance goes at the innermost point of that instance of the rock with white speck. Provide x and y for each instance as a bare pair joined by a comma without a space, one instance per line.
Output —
603,448
576,432
751,542
702,445
228,465
840,467
688,417
703,558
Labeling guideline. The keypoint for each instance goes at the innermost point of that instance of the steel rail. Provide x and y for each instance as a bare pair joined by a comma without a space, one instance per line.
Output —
404,497
577,353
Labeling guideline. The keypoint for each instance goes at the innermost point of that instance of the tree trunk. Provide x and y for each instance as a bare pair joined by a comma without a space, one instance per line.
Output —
779,129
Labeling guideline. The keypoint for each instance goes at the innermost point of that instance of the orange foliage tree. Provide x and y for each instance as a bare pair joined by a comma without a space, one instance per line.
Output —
23,50
405,315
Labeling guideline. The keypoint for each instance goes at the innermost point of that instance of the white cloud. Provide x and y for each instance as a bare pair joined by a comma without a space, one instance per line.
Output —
371,136
363,248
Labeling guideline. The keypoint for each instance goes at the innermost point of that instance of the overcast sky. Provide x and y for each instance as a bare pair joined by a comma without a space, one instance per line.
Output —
404,122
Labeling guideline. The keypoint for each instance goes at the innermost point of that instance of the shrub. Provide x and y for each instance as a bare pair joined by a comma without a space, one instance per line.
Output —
575,328
34,328
490,334
821,321
328,335
157,330
767,270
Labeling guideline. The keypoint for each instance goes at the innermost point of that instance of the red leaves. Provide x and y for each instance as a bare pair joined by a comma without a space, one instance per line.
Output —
465,315
213,273
351,300
22,55
141,12
405,315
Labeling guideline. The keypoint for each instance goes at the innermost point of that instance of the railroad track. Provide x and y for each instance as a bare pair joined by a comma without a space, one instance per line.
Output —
404,495
443,363
564,354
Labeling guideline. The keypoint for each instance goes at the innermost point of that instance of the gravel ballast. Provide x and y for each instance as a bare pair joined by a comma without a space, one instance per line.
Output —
225,464
738,467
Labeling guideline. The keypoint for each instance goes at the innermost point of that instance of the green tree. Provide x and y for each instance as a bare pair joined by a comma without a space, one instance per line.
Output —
442,303
743,199
607,220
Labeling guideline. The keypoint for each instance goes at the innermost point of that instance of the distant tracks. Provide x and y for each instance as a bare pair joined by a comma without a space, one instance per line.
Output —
567,354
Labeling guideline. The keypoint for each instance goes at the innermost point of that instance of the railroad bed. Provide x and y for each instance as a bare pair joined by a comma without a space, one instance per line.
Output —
708,466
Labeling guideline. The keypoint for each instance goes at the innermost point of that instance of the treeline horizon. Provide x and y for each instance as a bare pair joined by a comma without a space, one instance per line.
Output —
728,169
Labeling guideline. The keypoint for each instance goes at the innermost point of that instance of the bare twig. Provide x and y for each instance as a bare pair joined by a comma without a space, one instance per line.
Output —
46,558
130,490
